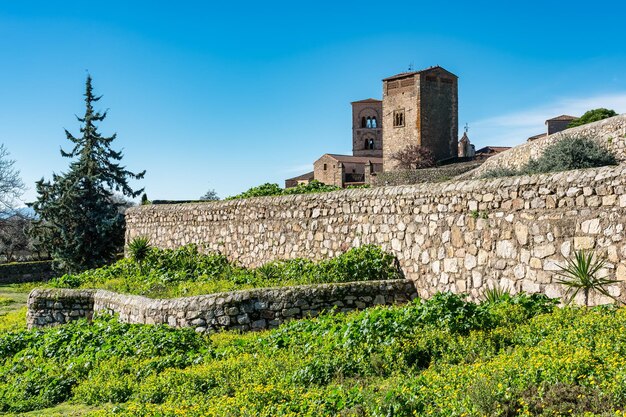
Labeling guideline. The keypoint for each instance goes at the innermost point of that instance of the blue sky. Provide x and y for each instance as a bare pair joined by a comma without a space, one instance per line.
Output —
231,95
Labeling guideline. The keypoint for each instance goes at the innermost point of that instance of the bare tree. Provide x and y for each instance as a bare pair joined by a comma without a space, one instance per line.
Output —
15,240
11,185
414,157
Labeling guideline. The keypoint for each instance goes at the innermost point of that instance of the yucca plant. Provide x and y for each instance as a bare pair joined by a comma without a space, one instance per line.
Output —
580,273
139,248
496,294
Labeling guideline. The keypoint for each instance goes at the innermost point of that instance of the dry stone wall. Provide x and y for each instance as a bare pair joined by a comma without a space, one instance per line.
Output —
609,133
456,236
256,309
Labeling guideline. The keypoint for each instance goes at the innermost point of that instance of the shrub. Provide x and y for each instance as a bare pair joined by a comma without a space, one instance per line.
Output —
185,271
592,116
263,190
564,155
268,189
568,154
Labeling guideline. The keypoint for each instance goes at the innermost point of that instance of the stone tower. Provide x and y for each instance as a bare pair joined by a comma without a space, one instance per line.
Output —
367,128
420,108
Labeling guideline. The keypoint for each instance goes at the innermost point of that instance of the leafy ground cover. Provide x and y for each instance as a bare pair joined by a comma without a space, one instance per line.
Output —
510,356
13,306
185,271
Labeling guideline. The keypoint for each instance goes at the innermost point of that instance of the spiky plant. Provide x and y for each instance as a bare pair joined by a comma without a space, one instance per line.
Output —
139,248
581,273
496,294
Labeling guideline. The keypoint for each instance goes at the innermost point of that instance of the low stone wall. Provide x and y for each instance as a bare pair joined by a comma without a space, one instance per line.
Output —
58,306
16,272
256,309
609,133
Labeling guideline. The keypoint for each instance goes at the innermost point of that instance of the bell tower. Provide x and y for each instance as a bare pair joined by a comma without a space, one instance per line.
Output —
367,128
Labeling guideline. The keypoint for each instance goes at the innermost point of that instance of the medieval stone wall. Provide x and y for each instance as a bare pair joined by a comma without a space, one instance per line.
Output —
610,133
458,236
246,310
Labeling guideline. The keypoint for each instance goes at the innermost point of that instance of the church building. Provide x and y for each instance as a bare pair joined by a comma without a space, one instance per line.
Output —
418,108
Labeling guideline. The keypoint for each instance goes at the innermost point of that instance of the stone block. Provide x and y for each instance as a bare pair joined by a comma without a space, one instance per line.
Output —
584,242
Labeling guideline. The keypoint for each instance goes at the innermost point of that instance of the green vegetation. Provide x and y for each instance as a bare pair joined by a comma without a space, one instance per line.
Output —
185,271
13,306
592,116
81,221
564,155
268,189
581,273
515,356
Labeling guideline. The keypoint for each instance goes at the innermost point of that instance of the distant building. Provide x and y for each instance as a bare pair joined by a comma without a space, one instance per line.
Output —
559,123
300,179
466,149
554,125
489,151
367,128
418,107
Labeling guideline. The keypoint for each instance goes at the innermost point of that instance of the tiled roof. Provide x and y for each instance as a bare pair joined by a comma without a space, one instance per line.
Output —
563,117
355,159
407,74
367,100
493,149
539,136
307,176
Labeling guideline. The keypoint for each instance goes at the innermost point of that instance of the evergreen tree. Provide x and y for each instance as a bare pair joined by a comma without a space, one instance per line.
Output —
80,222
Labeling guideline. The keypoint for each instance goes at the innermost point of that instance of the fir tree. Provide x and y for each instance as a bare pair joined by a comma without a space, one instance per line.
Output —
80,222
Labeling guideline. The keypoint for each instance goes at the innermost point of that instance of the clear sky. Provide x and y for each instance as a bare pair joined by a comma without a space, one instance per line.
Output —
227,95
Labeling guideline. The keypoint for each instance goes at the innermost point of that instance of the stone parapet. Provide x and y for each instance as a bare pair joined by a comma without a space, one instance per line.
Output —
245,310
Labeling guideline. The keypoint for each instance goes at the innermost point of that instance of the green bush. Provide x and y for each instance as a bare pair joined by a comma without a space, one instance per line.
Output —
185,271
268,189
592,116
564,155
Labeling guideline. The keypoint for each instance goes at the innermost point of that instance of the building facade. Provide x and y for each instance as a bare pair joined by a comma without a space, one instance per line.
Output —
367,128
420,108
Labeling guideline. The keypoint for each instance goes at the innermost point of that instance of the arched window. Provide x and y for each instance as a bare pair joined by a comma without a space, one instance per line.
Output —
365,144
370,144
374,123
369,122
363,121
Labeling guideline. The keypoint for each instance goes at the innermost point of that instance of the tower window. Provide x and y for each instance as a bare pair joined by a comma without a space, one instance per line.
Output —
369,144
374,123
369,122
325,167
363,122
398,118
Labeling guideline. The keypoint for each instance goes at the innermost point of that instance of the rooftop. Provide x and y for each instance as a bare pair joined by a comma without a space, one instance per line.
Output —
563,117
410,73
307,176
367,100
493,149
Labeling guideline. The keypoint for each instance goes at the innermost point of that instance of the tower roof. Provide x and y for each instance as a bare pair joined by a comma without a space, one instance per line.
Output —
563,117
411,73
367,100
